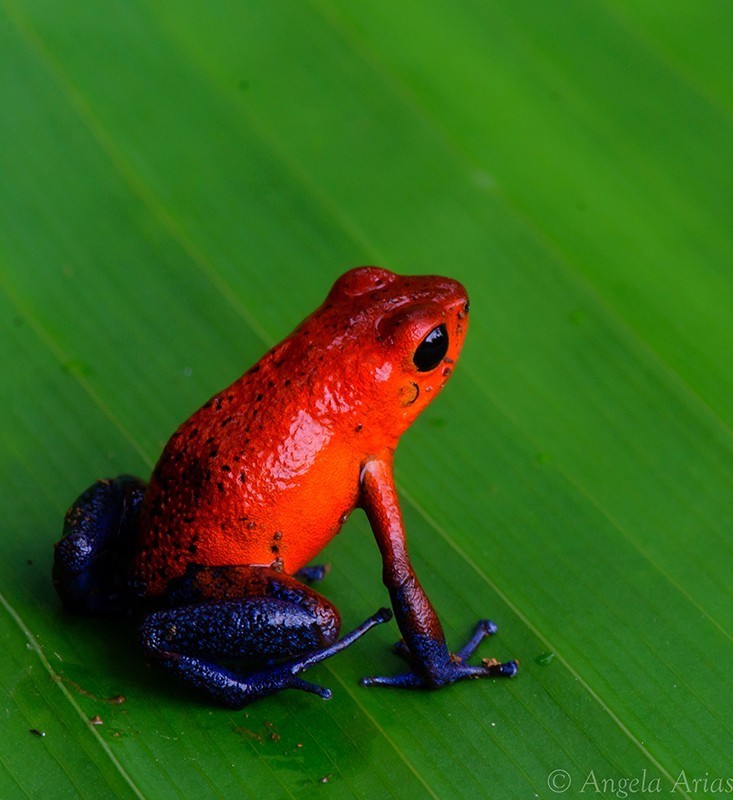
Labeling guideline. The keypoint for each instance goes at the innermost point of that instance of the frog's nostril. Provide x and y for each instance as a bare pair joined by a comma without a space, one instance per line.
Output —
462,310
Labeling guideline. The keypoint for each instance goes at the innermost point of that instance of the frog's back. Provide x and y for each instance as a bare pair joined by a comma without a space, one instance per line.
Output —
256,476
268,470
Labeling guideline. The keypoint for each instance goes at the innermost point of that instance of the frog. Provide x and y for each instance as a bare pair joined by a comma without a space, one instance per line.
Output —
211,558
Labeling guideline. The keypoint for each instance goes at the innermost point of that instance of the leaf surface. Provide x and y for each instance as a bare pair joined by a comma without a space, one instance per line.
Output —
181,185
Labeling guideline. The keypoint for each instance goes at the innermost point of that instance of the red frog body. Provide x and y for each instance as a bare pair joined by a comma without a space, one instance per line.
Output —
253,486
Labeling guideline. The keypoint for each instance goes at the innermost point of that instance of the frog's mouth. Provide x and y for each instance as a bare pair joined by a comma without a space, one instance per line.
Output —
409,393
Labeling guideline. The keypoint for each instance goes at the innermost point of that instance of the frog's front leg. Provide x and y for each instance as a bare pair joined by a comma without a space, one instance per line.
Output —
246,613
424,641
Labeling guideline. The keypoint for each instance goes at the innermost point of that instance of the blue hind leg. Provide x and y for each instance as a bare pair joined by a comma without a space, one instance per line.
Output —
269,622
175,637
92,559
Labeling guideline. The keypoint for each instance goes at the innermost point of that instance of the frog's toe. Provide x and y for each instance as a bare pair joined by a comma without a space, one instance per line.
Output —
405,680
401,649
507,669
313,688
483,628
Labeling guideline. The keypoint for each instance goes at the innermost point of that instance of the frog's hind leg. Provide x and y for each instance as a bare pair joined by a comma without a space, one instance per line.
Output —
92,559
276,622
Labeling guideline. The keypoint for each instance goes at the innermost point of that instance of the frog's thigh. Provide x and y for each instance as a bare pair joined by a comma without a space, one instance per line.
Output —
92,559
241,612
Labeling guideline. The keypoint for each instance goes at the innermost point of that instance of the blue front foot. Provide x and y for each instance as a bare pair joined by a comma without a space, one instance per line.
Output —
435,667
444,676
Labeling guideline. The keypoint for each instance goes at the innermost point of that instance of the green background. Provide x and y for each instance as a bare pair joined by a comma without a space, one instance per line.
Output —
180,183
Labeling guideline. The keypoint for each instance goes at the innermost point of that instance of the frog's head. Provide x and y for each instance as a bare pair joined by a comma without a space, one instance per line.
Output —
411,329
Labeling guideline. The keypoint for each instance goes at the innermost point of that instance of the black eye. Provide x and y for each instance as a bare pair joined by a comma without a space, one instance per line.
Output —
431,350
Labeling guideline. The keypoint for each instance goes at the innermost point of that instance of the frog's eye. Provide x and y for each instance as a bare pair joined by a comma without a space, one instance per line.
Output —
431,350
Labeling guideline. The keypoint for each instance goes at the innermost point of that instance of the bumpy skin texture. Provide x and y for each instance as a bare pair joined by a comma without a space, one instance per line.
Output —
268,470
259,480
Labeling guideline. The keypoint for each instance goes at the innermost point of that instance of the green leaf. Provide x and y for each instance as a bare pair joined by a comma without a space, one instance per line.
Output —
180,185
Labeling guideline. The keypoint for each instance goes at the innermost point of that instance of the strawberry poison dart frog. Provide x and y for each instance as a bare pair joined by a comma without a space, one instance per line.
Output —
211,554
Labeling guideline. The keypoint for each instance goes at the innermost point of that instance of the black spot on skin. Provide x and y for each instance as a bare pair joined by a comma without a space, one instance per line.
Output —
258,397
220,487
242,477
274,549
226,468
359,428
